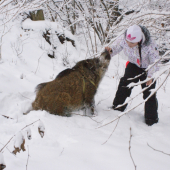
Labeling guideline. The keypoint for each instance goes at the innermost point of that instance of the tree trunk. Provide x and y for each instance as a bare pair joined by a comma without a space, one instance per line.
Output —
113,17
37,15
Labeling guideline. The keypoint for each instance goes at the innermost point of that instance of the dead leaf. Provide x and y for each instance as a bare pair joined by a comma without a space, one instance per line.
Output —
2,166
2,163
41,132
41,129
16,150
22,145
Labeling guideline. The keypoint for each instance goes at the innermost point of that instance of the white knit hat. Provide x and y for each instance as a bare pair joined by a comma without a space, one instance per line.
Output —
134,34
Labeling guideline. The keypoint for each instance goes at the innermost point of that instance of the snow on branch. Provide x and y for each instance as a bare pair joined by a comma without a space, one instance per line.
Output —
19,143
18,135
152,93
10,10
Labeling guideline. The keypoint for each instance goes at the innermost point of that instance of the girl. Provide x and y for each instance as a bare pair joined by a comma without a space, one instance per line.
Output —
141,52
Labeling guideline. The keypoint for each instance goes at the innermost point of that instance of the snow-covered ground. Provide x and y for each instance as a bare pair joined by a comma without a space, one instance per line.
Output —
77,142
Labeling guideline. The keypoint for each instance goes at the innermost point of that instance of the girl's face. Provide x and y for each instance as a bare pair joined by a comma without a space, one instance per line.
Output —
131,45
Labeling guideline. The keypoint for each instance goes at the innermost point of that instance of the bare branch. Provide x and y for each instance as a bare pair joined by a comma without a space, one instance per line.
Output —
130,149
7,117
61,152
38,62
158,150
27,158
112,132
24,96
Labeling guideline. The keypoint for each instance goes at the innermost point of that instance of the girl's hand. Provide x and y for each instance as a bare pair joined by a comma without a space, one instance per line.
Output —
108,49
148,82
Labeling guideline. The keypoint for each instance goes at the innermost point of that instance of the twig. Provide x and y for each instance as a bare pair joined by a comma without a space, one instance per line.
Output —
24,96
27,158
112,132
7,117
61,152
38,62
102,100
11,152
30,124
94,120
8,149
6,144
130,149
104,119
83,115
158,150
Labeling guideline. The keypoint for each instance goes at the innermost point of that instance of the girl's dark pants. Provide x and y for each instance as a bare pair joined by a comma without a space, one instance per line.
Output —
151,105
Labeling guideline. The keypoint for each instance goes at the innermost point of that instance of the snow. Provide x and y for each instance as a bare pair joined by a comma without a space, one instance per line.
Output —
18,140
74,142
2,159
41,25
41,126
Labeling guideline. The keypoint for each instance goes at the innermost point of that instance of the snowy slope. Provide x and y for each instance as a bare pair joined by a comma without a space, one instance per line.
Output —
77,142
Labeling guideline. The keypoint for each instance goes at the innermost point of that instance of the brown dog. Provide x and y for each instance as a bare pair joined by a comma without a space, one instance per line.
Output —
72,89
